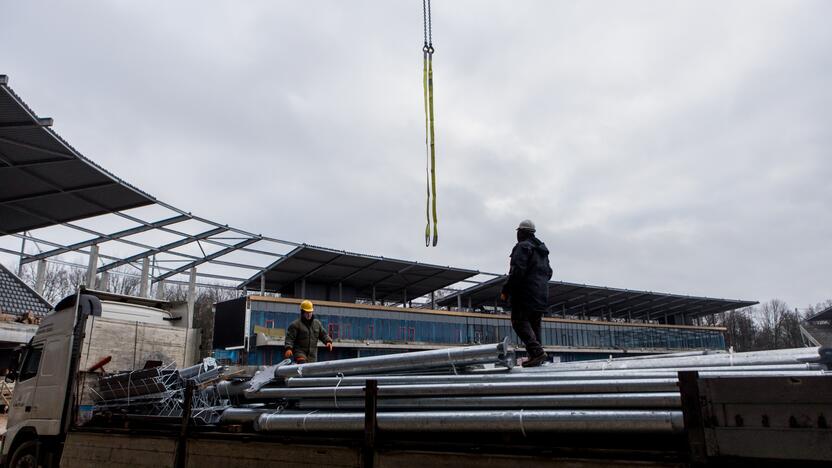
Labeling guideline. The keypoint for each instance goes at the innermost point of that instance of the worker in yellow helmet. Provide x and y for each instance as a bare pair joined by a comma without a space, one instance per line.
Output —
303,335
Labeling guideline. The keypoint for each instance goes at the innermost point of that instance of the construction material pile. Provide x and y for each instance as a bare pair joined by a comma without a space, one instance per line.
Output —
476,389
160,392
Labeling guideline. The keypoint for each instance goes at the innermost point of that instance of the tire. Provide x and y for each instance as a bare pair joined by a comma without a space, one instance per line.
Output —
25,456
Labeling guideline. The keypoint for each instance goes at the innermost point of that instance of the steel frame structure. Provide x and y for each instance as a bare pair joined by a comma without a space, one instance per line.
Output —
188,249
29,147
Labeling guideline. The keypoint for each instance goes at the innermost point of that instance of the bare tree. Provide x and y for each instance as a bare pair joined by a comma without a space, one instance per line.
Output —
59,280
770,317
122,281
740,329
790,336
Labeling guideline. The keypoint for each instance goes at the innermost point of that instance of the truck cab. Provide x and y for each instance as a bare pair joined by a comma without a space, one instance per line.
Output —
86,333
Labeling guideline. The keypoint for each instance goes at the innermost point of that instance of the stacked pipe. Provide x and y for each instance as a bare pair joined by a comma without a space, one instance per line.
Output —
614,395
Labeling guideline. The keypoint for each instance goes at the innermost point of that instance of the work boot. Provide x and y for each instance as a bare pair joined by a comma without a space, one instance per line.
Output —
536,361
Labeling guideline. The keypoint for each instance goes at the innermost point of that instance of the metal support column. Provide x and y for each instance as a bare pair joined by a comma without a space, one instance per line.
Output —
191,297
459,302
262,284
92,266
144,282
40,278
374,294
432,300
303,288
160,290
104,284
22,255
340,292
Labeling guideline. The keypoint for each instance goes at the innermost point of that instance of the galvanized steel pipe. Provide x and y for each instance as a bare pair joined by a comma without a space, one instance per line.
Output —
655,400
448,357
481,421
758,371
756,358
477,388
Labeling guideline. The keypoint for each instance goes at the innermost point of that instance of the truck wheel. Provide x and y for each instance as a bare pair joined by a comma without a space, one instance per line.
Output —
25,456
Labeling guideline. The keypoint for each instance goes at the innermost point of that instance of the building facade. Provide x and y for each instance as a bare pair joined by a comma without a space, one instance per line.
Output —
251,330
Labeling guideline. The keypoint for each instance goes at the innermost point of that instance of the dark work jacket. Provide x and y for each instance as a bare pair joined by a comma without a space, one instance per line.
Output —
302,338
528,278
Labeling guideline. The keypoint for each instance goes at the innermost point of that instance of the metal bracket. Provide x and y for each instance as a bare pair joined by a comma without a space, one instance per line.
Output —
370,423
692,412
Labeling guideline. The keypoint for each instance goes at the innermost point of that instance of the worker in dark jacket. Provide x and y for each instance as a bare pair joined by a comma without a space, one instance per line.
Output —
303,335
527,288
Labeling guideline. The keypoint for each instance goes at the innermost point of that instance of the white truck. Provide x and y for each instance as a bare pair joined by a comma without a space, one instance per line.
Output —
87,331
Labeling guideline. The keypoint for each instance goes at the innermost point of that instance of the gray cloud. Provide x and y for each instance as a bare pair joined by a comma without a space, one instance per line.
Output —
676,146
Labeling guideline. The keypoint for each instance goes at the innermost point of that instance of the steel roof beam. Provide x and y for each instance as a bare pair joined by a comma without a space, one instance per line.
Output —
207,258
360,270
208,241
57,192
567,300
419,281
204,275
41,122
322,266
601,299
161,249
104,238
663,303
136,244
37,148
22,165
396,273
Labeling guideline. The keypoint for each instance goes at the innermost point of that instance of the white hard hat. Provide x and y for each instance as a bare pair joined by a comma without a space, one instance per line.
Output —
526,225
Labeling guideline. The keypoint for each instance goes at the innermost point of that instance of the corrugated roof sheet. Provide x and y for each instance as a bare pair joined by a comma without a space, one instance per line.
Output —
390,278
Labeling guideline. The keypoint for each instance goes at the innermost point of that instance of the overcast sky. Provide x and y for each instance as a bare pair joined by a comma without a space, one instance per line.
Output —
671,146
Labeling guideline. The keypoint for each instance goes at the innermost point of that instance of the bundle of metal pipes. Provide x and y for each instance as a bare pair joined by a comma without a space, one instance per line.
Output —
615,395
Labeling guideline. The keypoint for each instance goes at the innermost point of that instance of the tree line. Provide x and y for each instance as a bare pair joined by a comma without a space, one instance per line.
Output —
771,325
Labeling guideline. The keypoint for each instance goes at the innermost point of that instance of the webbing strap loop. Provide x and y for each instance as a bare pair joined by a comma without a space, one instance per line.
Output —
430,146
427,146
432,150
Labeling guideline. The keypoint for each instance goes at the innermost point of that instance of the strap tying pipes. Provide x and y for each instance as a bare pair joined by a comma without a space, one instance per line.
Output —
303,423
340,376
451,362
522,427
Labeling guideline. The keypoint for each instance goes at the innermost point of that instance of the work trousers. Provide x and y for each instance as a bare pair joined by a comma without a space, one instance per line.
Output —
527,327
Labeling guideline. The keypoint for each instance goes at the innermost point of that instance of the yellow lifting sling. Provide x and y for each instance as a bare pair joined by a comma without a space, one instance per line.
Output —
430,146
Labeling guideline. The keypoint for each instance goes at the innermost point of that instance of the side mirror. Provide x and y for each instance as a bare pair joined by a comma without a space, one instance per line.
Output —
11,376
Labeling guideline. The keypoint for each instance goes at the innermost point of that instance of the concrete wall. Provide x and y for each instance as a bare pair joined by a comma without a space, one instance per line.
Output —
130,344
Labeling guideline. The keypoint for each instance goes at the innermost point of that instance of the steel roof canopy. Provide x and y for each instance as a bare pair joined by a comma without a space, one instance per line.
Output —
582,299
390,277
43,180
825,314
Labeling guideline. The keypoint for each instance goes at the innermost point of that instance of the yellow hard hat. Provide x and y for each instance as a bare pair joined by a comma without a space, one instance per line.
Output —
306,306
